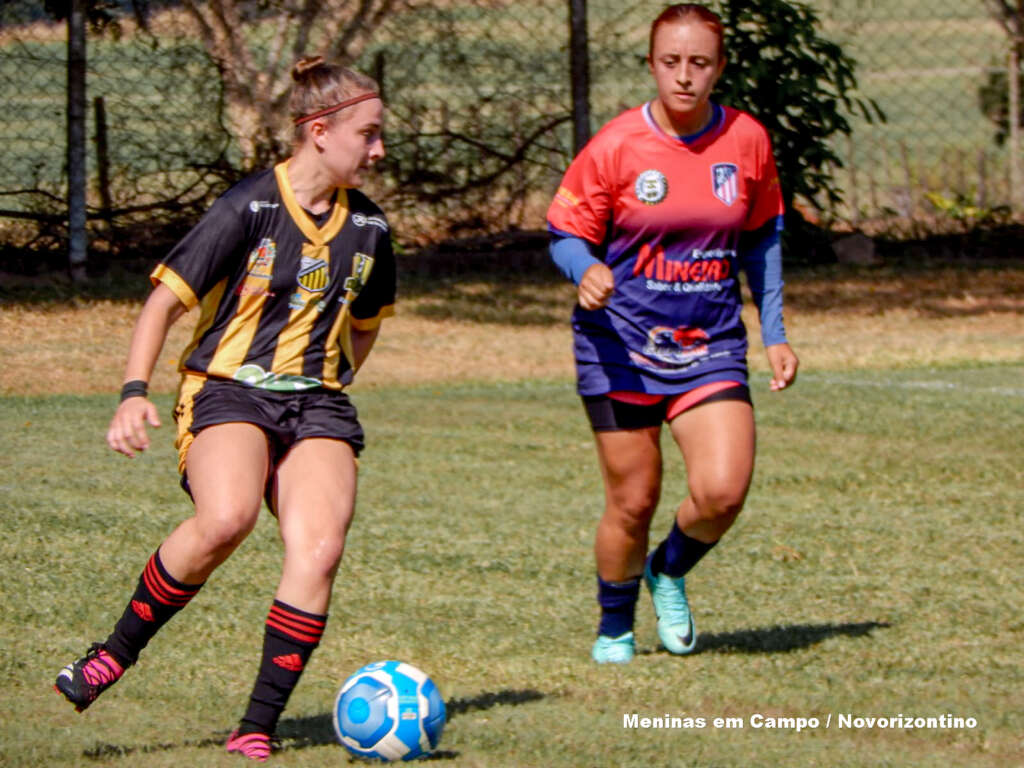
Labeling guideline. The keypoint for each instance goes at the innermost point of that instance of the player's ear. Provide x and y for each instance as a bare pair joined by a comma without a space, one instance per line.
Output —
722,61
318,132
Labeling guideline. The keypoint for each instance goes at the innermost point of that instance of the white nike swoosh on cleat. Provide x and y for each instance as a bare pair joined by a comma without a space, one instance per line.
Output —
66,672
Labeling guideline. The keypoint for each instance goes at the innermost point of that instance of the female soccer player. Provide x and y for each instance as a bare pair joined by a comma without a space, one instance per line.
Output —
652,221
293,271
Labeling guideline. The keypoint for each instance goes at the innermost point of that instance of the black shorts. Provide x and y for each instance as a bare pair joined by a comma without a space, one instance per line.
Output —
607,414
285,417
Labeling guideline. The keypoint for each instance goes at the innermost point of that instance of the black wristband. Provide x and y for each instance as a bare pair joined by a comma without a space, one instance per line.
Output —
134,388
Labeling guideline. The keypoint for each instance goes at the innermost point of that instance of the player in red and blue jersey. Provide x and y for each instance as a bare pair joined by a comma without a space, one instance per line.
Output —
292,271
653,221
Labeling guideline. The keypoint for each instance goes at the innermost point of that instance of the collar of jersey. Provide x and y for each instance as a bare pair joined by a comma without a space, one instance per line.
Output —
315,235
716,119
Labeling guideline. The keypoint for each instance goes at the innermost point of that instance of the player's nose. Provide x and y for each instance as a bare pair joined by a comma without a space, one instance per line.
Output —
377,151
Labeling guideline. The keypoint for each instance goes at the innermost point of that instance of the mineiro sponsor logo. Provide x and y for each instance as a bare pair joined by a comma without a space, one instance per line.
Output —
703,266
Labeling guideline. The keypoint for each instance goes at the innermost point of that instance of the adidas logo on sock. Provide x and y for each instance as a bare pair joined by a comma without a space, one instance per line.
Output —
143,610
292,662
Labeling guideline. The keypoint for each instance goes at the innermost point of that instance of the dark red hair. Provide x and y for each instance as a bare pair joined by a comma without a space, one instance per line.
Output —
680,12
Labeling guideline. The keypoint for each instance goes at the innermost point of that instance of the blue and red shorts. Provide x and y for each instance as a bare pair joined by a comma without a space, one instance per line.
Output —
616,411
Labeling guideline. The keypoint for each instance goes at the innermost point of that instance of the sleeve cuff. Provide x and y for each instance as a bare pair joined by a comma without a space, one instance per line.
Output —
369,323
174,281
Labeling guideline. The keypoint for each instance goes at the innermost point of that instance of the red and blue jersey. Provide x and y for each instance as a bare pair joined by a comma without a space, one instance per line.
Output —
667,217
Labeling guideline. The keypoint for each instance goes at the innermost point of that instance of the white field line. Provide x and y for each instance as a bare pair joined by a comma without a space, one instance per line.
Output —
927,384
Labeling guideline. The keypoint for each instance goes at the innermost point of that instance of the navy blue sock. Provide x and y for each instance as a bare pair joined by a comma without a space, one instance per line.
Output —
618,605
678,553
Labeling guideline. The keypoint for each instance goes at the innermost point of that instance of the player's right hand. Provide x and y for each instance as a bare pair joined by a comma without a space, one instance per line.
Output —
595,287
127,431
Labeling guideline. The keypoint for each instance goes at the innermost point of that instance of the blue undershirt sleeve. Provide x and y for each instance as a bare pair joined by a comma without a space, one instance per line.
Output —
571,255
761,257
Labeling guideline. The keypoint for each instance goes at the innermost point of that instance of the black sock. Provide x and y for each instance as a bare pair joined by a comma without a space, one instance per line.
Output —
157,598
678,553
618,605
289,640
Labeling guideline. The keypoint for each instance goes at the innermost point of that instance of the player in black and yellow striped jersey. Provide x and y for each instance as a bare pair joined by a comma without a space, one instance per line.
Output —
292,271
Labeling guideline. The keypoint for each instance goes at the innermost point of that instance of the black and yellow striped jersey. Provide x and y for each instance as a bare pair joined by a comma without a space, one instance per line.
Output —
279,292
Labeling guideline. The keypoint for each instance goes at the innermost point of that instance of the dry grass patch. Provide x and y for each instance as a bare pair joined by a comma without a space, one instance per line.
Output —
512,330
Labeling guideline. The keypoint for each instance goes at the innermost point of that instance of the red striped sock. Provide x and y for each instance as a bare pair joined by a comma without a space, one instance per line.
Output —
290,637
157,598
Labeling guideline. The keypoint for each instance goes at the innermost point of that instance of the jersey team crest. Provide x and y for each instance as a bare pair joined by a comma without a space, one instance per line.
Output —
725,182
651,187
362,265
313,274
261,260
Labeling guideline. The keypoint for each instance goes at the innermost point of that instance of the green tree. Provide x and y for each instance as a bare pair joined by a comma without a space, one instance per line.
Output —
799,84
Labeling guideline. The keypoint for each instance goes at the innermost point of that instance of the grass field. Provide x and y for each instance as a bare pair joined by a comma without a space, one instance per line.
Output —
874,572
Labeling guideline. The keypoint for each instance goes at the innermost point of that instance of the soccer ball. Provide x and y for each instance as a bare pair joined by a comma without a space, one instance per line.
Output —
389,710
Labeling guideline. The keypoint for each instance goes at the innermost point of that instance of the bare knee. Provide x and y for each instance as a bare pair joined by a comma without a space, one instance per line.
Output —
317,554
226,528
631,510
718,501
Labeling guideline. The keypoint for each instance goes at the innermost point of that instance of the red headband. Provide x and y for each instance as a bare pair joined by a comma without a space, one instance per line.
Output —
337,107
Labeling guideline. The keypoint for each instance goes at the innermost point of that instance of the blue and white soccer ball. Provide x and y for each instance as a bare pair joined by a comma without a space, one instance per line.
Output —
389,710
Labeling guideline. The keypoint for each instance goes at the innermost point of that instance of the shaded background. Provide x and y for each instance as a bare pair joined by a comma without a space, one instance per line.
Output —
480,113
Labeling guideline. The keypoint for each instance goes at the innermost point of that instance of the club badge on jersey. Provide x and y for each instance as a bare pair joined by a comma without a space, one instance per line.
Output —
313,274
651,187
261,260
724,182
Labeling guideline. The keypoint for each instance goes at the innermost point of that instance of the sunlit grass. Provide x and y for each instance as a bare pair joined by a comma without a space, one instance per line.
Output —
873,572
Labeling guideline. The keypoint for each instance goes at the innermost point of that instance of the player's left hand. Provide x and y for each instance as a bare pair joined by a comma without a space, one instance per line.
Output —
784,363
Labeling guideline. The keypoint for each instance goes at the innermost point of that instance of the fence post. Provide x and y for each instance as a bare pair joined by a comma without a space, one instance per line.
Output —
103,166
378,73
1016,147
76,111
579,73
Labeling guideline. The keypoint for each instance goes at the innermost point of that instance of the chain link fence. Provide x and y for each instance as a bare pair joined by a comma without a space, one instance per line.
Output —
480,110
157,149
939,71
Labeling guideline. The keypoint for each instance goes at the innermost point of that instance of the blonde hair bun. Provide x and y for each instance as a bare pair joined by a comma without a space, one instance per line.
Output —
306,63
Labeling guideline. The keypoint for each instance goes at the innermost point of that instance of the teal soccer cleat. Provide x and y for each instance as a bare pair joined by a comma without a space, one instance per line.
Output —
675,623
614,650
